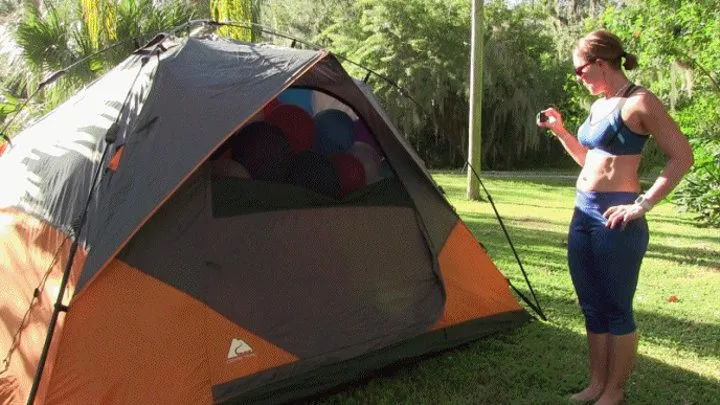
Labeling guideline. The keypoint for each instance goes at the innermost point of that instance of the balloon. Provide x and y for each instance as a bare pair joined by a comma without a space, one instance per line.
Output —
223,151
270,106
299,97
257,117
227,154
322,101
229,168
385,170
313,171
263,149
370,160
334,132
350,172
296,124
362,134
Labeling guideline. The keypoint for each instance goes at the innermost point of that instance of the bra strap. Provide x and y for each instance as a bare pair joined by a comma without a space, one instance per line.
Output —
617,126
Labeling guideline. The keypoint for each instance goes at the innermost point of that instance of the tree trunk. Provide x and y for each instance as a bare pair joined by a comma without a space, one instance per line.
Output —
476,85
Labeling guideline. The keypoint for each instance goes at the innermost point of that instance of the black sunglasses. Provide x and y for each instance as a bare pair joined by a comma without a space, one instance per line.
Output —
579,69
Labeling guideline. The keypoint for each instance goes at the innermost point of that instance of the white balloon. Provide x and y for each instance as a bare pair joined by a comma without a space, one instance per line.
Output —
370,159
322,101
229,168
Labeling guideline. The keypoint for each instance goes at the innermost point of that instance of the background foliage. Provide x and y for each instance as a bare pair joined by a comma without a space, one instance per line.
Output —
422,45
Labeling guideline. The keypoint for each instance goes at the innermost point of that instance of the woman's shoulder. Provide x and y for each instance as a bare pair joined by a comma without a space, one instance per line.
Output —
642,99
642,108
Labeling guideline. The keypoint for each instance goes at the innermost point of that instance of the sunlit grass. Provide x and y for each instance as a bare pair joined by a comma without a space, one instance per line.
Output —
542,362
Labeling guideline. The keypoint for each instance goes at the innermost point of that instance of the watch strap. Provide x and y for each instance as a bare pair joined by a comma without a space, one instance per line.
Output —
644,203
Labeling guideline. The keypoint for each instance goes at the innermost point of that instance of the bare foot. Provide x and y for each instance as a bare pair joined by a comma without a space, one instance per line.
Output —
611,397
590,393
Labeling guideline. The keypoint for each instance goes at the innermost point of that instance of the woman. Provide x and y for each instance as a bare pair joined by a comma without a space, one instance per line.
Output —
608,232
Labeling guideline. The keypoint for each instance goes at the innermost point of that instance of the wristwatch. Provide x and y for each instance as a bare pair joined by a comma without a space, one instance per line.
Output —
643,202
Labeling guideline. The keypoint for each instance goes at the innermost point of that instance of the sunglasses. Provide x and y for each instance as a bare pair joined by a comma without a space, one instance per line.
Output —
579,69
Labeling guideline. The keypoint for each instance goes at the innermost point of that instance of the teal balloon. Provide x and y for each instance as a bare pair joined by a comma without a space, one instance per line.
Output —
334,132
299,97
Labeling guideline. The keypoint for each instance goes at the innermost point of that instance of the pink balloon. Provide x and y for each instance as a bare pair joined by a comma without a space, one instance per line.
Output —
350,172
370,160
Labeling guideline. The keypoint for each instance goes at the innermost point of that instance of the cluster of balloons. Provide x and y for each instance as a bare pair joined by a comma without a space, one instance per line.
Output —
309,139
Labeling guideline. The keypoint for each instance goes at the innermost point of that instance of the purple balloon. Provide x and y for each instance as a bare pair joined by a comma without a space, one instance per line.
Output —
263,149
362,134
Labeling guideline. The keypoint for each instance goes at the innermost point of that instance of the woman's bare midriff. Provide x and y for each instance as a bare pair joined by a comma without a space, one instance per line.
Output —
607,173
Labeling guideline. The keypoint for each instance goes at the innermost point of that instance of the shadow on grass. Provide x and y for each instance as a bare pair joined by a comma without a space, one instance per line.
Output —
537,248
696,336
685,255
673,220
564,208
487,221
540,363
704,239
488,231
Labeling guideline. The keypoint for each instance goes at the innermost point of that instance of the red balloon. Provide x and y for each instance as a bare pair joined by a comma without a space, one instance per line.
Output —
297,124
226,154
270,106
350,172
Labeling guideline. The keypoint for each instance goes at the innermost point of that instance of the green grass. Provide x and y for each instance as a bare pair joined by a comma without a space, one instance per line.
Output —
542,362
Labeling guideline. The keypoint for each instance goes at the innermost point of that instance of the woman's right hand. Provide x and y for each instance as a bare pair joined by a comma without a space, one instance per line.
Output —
554,121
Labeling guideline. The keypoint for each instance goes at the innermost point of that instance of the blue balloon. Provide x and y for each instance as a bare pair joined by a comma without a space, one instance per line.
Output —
334,132
299,97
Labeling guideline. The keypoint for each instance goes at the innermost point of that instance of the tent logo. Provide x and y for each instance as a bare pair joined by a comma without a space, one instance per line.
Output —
238,350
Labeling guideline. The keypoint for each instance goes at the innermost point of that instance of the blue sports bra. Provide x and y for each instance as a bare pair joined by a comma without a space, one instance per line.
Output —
610,134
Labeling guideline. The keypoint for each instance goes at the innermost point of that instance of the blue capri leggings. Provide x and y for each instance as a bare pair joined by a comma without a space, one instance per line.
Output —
605,263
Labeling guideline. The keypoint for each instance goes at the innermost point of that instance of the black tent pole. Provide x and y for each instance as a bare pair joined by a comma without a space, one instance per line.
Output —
110,138
502,225
59,307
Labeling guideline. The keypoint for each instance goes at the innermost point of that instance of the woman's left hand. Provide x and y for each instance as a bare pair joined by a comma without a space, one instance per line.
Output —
621,215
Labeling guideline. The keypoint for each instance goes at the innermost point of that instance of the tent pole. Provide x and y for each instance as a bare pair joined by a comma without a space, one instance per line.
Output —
59,307
110,138
535,307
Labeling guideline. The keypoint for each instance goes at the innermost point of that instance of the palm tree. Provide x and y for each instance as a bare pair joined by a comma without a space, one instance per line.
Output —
243,11
54,35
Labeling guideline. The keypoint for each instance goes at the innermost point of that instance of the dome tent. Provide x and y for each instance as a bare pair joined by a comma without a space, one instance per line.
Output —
190,289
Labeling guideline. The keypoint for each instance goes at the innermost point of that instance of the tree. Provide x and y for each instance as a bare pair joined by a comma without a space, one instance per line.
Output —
238,11
307,20
679,53
69,31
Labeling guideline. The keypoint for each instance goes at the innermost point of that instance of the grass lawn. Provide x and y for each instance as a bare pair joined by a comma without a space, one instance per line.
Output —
542,362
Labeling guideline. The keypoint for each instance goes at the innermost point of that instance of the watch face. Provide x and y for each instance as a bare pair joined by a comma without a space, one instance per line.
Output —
639,199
